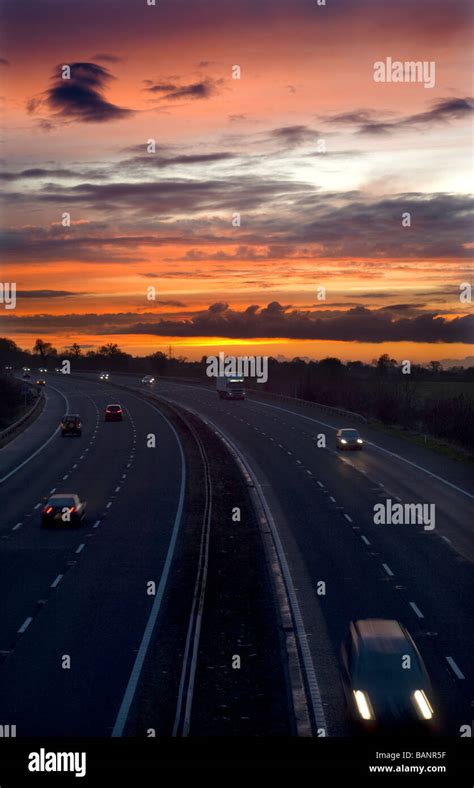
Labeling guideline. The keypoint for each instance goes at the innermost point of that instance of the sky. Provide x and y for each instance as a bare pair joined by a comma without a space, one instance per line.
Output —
220,175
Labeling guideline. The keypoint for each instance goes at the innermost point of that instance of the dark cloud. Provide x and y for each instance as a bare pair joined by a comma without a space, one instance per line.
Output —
154,160
47,293
169,91
275,321
370,122
292,136
81,98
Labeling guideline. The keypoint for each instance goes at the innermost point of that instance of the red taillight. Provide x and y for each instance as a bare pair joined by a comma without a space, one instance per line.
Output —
72,508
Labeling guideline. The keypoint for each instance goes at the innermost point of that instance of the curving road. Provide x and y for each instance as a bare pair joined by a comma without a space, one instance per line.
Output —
323,505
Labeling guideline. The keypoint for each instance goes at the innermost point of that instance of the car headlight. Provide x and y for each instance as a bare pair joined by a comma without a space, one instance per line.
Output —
363,707
423,704
343,440
359,440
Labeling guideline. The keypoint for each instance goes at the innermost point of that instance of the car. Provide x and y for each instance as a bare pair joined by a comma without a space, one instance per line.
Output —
63,509
26,375
148,380
104,376
40,382
8,368
42,370
348,439
71,425
385,680
113,413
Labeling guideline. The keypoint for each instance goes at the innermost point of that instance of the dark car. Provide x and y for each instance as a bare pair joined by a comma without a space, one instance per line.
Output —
63,509
113,413
385,680
348,439
71,425
40,382
26,375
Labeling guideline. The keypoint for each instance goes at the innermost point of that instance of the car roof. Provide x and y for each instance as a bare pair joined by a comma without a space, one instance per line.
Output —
381,634
71,416
114,405
63,495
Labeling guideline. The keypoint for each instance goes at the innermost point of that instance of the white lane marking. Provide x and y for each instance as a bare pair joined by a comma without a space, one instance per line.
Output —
280,446
16,527
417,610
124,475
37,506
147,635
128,466
458,673
309,473
388,570
81,457
57,581
66,477
299,462
289,452
117,488
109,505
25,625
332,499
43,445
349,519
364,539
80,548
375,446
321,484
53,490
446,539
96,524
74,466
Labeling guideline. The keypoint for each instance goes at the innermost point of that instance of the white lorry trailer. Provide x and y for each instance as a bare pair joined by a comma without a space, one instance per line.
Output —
229,387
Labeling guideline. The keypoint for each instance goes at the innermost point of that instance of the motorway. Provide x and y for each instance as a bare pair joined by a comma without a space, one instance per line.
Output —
322,503
82,593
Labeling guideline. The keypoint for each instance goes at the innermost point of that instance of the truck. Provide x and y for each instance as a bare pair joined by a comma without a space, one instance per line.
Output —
229,387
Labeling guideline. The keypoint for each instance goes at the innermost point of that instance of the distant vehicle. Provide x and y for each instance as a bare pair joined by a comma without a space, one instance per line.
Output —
71,425
40,382
65,508
230,387
26,375
348,439
385,680
148,380
26,369
8,368
104,376
113,413
42,370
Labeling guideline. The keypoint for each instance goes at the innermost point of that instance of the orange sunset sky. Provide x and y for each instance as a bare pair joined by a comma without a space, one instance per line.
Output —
319,160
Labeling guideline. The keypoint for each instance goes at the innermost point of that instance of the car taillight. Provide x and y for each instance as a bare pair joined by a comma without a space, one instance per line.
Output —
49,509
71,508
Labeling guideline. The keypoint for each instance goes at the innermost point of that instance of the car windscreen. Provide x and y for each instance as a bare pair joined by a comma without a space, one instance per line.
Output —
349,434
395,669
114,408
59,503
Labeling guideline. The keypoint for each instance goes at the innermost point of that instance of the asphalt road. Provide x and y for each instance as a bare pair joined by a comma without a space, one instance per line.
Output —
323,504
81,593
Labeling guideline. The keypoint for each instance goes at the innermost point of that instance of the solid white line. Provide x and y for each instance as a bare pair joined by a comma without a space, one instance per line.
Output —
455,668
25,625
388,570
57,581
142,651
15,527
43,445
348,518
417,610
446,539
96,524
80,548
369,443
